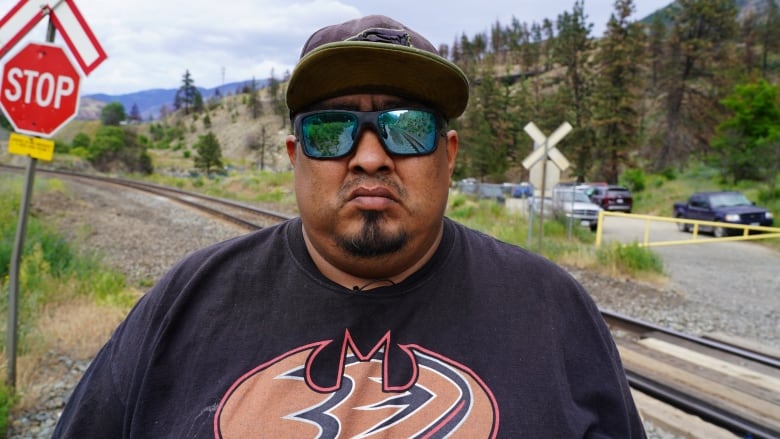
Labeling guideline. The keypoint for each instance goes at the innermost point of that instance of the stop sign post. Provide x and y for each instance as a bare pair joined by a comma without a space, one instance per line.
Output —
39,92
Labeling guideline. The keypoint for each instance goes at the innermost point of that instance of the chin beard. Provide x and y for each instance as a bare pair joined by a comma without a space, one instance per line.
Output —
371,241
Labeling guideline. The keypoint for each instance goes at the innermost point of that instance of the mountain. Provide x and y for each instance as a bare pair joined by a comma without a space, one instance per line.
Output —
744,8
150,101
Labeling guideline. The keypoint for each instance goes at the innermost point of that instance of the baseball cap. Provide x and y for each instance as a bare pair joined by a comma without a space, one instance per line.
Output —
376,54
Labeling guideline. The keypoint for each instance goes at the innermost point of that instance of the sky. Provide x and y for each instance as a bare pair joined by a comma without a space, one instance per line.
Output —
151,43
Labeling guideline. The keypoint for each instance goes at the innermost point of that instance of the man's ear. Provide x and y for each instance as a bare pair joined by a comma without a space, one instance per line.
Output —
291,143
452,149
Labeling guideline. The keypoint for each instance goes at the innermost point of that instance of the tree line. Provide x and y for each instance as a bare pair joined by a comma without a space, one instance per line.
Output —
695,81
698,80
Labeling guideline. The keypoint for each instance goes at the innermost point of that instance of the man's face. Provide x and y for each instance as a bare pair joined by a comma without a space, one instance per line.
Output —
370,210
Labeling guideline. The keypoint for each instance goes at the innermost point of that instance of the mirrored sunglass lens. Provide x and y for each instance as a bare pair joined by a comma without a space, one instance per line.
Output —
408,132
328,134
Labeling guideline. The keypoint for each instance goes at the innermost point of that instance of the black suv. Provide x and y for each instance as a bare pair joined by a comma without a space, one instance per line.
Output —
611,197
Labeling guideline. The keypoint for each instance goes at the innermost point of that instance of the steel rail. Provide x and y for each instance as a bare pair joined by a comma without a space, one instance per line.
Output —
166,191
641,326
212,211
695,406
160,189
687,402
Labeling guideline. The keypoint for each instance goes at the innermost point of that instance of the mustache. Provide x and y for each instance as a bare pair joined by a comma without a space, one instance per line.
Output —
364,180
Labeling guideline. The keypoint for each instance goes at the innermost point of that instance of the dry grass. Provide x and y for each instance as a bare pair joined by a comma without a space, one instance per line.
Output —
77,328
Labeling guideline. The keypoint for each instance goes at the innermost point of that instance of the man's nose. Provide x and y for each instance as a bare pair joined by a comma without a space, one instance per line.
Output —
369,155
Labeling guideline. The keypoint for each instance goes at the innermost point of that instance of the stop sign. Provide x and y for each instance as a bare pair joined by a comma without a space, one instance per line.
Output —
39,92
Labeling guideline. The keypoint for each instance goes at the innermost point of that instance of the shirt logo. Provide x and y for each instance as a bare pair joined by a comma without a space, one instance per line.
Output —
284,397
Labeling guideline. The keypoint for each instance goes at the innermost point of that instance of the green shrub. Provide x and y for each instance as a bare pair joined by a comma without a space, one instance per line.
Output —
456,201
634,179
462,210
80,152
7,400
766,196
50,269
55,252
629,258
669,173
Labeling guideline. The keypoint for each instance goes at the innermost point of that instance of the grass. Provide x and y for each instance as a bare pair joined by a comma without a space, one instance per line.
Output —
262,187
557,244
68,301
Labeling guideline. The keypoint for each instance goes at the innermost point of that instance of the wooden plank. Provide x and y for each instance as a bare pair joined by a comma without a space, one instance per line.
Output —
677,421
720,366
748,406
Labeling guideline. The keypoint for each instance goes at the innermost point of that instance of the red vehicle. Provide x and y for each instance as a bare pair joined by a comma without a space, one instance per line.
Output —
611,197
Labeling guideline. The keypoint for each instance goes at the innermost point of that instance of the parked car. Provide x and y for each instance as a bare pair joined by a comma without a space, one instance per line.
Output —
490,190
576,206
523,190
726,206
468,186
611,197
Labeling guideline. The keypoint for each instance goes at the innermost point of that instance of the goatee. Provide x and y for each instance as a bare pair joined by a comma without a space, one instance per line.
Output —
371,241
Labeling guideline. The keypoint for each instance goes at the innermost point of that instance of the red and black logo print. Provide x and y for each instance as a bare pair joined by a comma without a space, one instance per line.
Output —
282,399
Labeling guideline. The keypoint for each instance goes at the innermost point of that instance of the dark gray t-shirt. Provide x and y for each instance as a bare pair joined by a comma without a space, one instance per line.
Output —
247,339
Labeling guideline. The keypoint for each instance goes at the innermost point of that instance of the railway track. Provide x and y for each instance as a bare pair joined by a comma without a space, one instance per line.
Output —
732,387
241,214
729,388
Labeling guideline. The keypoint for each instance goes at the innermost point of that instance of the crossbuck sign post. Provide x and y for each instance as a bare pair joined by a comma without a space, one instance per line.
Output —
545,152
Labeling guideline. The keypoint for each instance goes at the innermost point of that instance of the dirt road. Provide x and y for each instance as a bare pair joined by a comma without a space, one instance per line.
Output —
739,276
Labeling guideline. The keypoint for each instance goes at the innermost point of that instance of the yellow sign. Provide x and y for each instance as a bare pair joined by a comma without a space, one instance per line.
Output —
36,148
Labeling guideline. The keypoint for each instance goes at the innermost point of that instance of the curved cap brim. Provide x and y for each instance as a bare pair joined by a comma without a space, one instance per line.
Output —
349,67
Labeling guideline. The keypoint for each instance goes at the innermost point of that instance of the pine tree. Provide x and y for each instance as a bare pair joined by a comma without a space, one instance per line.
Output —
253,99
278,102
616,91
259,140
655,48
769,34
135,114
209,153
696,61
487,154
573,47
188,97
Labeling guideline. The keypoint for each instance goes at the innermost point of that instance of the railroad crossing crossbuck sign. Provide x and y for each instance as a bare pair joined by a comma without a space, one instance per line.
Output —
541,175
39,91
66,17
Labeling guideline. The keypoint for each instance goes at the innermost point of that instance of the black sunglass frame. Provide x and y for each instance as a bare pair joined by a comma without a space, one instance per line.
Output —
367,119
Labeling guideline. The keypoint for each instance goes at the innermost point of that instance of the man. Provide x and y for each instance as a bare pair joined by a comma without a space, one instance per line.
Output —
371,315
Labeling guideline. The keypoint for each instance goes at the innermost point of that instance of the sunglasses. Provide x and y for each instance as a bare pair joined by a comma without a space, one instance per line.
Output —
331,134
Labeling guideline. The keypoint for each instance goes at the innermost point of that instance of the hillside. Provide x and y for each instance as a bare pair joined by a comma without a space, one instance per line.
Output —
149,102
230,121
